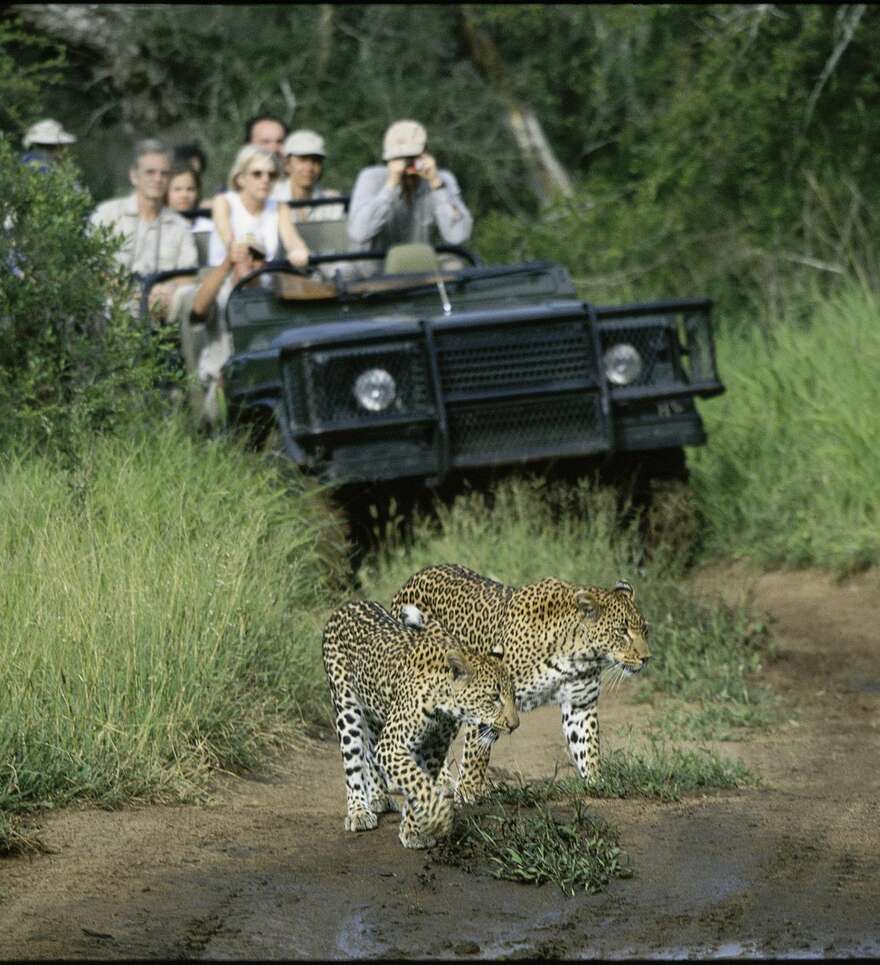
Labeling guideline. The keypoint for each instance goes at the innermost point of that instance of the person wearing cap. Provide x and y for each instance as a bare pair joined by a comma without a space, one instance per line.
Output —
304,156
155,238
406,199
44,144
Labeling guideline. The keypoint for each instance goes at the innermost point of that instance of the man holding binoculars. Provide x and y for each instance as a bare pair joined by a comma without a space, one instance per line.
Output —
406,199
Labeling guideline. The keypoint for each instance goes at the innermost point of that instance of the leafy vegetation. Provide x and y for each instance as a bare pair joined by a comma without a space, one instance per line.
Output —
160,616
533,846
543,830
789,475
73,360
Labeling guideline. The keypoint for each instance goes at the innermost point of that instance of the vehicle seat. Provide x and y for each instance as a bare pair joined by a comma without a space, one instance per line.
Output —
324,237
202,238
415,258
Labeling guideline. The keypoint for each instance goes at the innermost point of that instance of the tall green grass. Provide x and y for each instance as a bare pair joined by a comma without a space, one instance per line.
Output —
160,615
702,654
790,473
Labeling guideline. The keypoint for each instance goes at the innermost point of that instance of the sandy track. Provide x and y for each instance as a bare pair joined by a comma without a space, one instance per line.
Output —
789,867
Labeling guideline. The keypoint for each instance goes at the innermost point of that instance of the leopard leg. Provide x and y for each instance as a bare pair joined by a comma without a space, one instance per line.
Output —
380,800
580,725
426,814
477,749
353,733
433,757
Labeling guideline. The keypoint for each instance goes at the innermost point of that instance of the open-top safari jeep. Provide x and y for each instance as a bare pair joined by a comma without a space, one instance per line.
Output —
436,365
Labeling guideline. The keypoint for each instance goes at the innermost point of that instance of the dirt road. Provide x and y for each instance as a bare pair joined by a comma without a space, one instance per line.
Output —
791,867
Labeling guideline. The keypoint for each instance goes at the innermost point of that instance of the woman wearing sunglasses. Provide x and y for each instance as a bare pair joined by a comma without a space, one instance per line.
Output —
248,209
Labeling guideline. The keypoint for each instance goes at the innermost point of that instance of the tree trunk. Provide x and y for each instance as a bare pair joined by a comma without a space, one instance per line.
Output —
548,179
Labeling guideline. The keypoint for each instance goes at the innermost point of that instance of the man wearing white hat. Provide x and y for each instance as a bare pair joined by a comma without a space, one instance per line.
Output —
304,156
407,199
44,143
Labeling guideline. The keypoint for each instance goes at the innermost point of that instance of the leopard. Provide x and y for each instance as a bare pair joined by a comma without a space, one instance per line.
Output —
559,639
401,689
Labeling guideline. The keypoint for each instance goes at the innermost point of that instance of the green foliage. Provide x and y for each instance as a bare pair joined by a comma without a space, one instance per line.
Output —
160,615
28,65
789,476
580,851
73,360
662,772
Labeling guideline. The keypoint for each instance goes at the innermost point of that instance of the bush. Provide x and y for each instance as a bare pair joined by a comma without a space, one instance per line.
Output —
73,360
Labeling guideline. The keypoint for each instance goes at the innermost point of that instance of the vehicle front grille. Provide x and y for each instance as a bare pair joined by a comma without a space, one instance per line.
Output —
514,357
525,429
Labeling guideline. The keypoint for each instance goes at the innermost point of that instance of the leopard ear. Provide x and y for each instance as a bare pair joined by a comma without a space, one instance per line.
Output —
589,602
458,665
621,586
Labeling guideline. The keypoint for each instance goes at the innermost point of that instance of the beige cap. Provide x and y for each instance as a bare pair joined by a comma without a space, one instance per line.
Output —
47,132
303,142
404,139
252,241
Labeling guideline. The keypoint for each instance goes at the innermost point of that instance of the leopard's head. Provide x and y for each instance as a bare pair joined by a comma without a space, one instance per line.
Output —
481,690
613,625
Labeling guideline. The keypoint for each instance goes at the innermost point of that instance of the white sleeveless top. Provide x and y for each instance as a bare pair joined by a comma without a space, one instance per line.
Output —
263,226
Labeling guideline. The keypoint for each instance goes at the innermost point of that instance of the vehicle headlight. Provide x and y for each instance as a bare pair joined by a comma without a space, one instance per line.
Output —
375,390
623,364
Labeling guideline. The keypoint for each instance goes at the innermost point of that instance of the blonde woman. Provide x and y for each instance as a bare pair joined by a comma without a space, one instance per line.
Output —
248,209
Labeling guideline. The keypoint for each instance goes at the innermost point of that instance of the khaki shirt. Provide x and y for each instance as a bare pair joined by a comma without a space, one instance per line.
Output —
160,245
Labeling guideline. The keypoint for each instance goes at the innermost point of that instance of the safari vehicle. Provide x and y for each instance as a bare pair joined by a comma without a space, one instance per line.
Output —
436,364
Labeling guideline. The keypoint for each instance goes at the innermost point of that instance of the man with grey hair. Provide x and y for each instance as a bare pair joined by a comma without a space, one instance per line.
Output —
154,237
406,199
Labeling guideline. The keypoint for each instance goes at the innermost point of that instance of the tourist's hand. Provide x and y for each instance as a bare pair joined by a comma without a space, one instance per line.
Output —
298,256
395,171
238,252
426,168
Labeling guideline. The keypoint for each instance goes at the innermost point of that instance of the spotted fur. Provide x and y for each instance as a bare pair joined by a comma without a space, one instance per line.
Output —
558,637
400,691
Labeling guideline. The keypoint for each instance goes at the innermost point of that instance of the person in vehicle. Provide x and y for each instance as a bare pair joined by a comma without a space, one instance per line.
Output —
184,194
267,131
406,199
184,197
193,156
45,143
205,342
247,209
155,238
304,155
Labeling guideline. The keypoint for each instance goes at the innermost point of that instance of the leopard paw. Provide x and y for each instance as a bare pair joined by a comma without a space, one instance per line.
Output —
360,820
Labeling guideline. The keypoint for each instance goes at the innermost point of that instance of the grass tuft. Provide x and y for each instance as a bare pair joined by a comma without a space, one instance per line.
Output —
533,846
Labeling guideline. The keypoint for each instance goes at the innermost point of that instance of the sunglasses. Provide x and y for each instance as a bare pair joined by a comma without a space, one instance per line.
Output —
271,175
